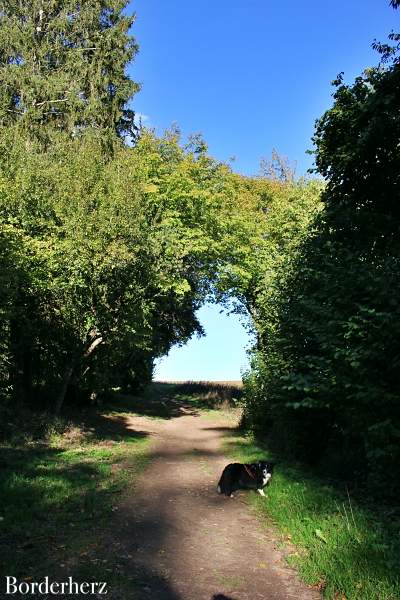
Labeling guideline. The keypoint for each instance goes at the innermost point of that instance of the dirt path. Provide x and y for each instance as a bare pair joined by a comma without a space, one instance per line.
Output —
186,542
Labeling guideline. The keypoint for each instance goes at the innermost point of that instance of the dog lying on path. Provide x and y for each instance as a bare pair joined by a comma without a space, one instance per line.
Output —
237,476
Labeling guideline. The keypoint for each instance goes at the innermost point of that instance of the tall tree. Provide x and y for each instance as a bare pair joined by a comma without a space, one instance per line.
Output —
63,66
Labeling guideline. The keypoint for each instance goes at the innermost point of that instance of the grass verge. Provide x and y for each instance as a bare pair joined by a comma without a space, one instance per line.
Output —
57,497
348,551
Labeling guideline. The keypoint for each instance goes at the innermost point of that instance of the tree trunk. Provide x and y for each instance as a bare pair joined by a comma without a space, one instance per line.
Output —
96,342
28,375
16,371
69,370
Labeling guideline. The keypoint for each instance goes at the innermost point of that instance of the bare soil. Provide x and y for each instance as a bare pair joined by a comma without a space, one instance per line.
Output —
185,541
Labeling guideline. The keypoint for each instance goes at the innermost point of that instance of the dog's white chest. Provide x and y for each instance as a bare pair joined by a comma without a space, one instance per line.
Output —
266,478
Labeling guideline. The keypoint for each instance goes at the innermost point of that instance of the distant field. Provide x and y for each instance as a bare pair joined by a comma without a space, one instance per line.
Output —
208,393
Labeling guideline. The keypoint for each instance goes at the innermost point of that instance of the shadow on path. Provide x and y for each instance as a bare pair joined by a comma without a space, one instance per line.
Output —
182,539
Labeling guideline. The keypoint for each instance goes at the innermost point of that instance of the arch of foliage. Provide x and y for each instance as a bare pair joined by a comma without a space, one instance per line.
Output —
108,248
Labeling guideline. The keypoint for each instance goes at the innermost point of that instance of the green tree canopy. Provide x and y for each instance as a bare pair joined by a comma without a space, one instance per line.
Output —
63,66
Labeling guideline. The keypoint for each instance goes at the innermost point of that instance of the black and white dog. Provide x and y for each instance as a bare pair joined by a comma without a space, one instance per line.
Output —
237,476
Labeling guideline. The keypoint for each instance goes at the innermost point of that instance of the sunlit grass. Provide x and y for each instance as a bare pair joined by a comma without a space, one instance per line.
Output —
345,549
57,496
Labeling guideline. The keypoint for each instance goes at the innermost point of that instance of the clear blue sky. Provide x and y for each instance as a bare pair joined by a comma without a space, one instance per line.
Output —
219,356
251,76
